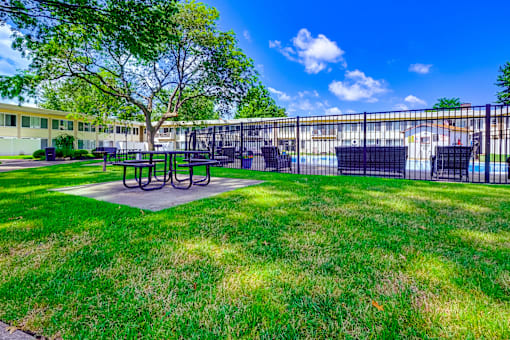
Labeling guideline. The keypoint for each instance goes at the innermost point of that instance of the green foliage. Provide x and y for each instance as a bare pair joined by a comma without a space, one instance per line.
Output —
200,108
39,154
65,144
258,103
79,154
445,103
503,82
77,96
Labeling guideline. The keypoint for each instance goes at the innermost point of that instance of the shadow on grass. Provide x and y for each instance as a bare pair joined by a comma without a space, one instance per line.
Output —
300,256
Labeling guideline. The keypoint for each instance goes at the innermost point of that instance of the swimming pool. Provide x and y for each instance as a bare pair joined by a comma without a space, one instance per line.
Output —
412,164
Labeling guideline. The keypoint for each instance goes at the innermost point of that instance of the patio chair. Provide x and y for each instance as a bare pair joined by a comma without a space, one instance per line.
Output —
274,160
451,160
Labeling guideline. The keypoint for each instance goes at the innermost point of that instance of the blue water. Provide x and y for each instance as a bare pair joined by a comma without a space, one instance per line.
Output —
412,164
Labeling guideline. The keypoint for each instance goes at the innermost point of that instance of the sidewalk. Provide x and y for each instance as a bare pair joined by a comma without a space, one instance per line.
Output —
17,335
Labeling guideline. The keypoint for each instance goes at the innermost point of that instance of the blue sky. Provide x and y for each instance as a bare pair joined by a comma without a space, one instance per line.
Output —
328,57
340,56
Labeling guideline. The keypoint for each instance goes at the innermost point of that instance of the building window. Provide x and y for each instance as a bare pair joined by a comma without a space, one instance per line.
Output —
374,127
86,144
7,120
34,122
62,125
117,129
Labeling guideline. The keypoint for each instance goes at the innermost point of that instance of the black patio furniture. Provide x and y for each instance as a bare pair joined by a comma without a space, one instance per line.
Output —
169,173
227,155
451,161
274,160
391,159
102,150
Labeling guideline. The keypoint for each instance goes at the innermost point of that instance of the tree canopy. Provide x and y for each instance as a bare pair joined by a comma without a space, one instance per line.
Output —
75,95
503,82
258,103
445,103
154,55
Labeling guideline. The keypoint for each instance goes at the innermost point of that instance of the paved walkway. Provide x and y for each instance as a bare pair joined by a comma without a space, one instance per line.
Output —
17,335
115,192
18,164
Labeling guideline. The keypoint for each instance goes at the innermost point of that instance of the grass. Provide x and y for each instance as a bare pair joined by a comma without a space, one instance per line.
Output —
294,257
17,157
495,158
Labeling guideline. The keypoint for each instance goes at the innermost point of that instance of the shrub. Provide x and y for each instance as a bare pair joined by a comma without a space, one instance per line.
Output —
79,154
59,153
39,154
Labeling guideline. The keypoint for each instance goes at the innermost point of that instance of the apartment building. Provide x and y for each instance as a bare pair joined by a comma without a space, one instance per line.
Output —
25,129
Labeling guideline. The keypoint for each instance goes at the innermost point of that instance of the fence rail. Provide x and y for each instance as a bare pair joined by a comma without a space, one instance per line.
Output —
470,144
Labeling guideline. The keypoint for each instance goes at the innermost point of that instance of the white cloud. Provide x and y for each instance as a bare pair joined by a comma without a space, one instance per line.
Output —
401,107
313,93
420,68
333,111
275,44
247,35
357,86
415,100
280,94
314,53
10,60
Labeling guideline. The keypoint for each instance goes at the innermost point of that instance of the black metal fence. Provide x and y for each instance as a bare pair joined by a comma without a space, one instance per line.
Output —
469,144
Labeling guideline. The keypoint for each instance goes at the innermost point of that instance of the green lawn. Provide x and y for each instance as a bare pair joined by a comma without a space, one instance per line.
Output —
294,257
17,157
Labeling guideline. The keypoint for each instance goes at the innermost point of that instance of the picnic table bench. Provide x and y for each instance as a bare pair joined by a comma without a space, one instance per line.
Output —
169,173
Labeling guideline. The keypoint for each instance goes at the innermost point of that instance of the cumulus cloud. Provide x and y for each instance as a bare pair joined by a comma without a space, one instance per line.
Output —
247,35
420,68
333,111
10,60
280,94
357,86
315,53
415,100
401,107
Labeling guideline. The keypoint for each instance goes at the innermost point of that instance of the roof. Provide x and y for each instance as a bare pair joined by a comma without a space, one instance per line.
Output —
440,126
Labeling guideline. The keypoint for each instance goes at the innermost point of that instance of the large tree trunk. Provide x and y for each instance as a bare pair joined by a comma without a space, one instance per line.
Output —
151,133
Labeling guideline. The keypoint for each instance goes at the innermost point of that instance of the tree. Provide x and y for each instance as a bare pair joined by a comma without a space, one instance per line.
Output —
445,103
504,83
200,108
77,96
258,103
191,58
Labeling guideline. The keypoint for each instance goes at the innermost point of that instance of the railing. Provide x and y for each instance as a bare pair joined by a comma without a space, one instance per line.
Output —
459,144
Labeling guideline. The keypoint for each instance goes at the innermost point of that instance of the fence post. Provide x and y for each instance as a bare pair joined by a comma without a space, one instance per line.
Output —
487,143
213,149
364,143
242,145
297,146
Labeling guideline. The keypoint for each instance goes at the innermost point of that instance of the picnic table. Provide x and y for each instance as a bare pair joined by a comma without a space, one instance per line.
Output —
171,168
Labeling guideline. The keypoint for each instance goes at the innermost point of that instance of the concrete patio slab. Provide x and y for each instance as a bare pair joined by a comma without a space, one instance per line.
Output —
5,334
115,192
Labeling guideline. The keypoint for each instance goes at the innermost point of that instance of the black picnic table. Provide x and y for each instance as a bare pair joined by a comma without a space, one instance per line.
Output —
170,170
